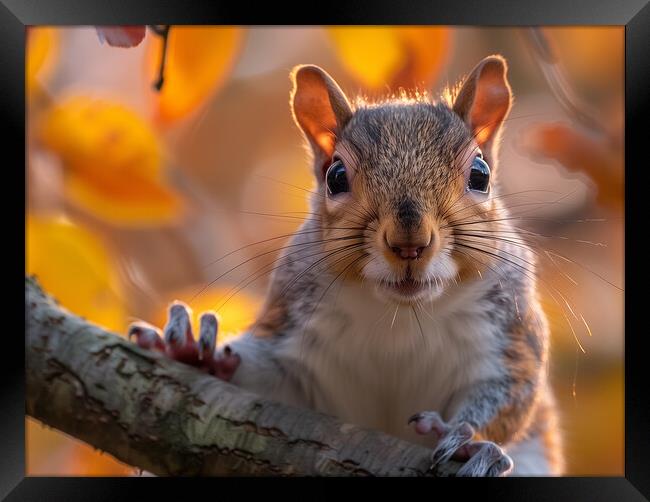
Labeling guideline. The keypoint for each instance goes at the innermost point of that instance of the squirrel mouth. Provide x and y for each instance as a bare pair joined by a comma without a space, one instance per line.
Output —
408,287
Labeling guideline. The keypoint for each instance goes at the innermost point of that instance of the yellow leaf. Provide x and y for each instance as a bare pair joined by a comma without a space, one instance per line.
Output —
371,55
113,159
409,56
42,51
73,265
198,60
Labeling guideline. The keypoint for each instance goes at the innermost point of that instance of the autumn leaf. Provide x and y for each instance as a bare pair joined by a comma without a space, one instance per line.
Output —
409,56
74,266
594,154
583,69
42,52
197,62
113,160
121,36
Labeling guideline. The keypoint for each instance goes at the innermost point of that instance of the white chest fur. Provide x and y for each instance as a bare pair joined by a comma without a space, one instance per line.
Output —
376,363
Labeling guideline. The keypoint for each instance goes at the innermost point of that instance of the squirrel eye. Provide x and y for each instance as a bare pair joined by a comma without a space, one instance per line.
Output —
479,176
336,178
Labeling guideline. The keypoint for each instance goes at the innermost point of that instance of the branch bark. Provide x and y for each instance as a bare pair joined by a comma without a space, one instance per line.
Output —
170,419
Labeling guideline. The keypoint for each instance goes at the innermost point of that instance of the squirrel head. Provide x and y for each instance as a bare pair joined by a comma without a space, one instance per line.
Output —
398,178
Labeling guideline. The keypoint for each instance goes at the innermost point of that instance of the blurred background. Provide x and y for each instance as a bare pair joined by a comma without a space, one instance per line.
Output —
136,194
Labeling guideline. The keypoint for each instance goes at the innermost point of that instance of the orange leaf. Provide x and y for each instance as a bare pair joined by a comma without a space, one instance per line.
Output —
42,51
579,151
410,56
198,61
113,159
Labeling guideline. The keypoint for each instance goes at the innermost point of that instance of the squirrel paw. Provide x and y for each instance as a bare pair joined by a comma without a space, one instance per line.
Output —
177,342
482,458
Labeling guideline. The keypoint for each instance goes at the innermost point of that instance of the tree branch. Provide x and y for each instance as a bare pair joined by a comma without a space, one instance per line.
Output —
170,419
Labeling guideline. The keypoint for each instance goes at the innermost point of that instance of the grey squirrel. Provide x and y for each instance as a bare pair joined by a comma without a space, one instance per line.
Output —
405,293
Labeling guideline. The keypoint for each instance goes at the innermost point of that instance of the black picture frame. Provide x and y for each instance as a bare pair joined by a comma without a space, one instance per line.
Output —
15,15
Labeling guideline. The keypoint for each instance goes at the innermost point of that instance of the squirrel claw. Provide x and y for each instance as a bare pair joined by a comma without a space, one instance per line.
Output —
413,418
207,335
454,441
428,421
225,365
178,330
178,343
486,459
146,336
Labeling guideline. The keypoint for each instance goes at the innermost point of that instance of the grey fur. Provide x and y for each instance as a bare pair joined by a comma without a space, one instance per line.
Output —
408,166
489,460
397,143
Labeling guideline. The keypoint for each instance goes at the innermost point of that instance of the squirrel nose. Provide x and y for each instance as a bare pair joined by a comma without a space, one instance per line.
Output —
411,250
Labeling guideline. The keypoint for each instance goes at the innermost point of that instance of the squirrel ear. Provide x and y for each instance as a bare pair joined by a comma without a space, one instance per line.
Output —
484,99
320,109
